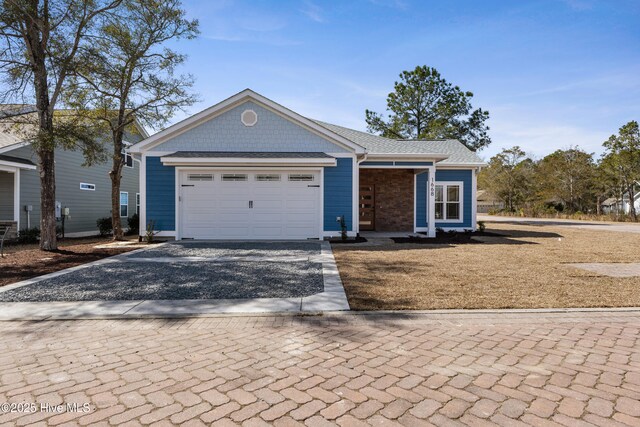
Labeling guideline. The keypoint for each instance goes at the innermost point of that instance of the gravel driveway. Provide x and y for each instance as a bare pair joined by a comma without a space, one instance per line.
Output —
128,279
231,249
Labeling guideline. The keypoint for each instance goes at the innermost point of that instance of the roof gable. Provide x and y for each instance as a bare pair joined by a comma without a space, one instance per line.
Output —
224,119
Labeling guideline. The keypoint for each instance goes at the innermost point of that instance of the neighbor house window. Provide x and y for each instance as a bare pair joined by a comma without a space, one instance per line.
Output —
127,159
124,204
449,201
87,187
138,203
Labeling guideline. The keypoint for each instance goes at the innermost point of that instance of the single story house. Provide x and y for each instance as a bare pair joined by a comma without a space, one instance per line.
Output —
82,192
249,168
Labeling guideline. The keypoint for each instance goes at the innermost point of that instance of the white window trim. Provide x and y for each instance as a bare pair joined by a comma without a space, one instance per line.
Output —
124,159
87,189
444,196
127,205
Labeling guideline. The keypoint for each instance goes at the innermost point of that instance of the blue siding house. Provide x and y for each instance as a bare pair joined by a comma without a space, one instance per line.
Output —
249,168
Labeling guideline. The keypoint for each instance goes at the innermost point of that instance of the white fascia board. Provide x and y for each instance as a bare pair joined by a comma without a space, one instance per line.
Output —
461,165
17,165
230,161
227,104
15,146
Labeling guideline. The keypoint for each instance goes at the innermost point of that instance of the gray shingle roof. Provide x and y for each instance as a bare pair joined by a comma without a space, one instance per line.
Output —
251,154
458,153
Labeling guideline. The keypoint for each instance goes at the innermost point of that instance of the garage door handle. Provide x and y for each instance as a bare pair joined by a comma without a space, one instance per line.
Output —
188,185
316,186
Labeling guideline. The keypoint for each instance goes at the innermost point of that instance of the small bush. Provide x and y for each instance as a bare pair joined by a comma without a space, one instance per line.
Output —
482,226
134,224
105,227
150,234
29,235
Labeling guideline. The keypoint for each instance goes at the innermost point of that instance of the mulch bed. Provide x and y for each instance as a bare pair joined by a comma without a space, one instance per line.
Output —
21,262
358,239
447,238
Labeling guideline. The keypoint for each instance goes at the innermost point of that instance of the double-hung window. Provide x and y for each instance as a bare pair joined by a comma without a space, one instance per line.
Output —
449,201
124,204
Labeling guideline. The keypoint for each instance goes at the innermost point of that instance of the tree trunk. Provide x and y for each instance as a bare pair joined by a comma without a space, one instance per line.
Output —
632,207
48,238
116,176
36,34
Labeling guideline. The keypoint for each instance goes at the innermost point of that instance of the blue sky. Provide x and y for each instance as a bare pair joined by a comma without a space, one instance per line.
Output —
552,73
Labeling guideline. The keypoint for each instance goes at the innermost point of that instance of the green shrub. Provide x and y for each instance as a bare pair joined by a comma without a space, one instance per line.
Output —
134,223
29,235
105,226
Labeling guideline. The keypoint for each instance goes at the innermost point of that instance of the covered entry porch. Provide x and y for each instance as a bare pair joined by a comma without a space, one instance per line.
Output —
10,168
396,198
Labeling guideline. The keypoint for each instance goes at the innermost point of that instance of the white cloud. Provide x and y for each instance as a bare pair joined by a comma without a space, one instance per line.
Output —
313,12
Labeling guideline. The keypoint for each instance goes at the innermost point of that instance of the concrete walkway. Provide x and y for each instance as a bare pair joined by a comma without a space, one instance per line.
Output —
331,299
507,368
623,227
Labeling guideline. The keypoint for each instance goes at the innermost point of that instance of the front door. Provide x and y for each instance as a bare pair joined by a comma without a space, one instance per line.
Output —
367,204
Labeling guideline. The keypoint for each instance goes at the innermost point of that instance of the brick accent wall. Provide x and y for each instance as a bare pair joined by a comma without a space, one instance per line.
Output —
394,197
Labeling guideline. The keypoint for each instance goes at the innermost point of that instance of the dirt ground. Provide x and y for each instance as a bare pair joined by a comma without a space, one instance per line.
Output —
21,262
524,268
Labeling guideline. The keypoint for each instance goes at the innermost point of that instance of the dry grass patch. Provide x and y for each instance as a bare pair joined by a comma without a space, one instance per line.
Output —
525,269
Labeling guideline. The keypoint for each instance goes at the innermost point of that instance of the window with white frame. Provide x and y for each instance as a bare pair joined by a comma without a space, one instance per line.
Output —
127,159
138,203
124,204
87,187
448,205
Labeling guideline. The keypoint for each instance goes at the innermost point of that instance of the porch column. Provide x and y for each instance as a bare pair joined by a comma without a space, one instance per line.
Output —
16,198
431,202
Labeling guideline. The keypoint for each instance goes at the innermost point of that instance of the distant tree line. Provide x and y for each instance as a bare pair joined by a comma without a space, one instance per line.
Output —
568,180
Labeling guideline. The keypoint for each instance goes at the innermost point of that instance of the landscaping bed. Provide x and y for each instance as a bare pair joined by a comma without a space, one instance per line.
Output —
519,266
24,261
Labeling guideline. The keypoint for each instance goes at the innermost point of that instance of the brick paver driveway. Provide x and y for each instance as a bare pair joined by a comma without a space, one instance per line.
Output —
349,369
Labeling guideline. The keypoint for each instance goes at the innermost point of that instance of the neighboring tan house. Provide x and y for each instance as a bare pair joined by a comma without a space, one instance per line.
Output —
249,168
84,191
488,203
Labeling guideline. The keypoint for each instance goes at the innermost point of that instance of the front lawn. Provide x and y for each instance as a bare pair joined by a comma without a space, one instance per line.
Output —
21,262
525,268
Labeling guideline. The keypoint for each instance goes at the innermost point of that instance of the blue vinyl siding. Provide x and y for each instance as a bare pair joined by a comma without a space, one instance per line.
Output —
444,175
421,199
161,195
338,194
376,163
466,177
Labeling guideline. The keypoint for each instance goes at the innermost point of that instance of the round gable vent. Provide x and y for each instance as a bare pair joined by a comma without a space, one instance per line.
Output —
249,117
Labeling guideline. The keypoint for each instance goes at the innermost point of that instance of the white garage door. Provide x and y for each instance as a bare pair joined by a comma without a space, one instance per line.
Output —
250,204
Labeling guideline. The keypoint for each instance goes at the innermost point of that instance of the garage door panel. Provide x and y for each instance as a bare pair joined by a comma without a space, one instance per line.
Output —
221,210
